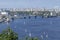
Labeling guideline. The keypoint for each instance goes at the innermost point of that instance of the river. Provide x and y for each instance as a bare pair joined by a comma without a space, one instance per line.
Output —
43,28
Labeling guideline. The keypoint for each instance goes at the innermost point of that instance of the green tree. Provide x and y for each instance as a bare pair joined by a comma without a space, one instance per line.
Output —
32,38
8,34
36,38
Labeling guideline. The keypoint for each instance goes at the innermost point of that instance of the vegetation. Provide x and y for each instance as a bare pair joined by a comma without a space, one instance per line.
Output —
8,34
31,38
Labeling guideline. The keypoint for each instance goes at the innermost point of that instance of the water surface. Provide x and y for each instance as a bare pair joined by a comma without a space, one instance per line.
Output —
43,28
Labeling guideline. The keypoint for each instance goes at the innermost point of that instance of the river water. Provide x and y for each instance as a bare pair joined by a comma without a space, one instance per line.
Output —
43,28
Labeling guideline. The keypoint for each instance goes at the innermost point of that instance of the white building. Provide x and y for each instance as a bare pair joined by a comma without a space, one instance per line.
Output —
4,13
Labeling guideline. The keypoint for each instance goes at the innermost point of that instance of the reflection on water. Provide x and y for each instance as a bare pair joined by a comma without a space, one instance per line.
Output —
25,30
24,22
44,28
30,35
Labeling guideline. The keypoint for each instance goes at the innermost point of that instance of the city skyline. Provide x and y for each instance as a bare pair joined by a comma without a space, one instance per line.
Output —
29,3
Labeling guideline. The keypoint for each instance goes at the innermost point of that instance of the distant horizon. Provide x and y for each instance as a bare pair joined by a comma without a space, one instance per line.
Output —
32,8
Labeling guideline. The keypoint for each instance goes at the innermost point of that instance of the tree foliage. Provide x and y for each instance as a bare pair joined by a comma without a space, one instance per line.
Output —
8,34
31,38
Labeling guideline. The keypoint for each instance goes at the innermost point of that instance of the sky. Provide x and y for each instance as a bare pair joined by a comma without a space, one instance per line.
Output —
29,3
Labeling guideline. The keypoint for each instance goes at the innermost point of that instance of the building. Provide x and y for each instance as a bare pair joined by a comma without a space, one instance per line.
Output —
4,13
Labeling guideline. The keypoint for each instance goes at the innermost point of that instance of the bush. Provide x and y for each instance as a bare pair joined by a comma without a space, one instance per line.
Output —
8,34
